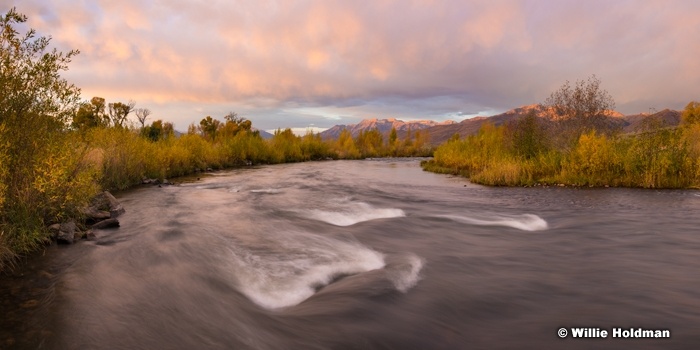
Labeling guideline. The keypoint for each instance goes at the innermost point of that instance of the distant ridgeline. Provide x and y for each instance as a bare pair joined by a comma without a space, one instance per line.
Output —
384,126
440,132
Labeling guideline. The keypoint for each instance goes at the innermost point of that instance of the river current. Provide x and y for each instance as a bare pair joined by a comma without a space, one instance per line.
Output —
373,254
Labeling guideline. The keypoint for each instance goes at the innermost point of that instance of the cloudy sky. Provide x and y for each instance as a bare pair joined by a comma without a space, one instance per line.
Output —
304,64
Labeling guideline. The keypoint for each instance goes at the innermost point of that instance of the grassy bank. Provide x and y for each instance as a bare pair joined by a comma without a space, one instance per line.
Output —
526,153
57,178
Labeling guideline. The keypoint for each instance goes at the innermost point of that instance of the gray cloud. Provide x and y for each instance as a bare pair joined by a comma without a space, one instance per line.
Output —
292,64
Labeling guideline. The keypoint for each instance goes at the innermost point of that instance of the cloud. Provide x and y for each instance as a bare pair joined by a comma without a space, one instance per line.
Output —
276,60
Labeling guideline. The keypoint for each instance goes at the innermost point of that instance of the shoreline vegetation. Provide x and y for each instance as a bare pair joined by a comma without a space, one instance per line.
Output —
574,140
528,152
58,152
663,158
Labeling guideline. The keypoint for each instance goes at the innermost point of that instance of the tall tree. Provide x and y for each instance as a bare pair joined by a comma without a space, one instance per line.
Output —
36,104
91,114
141,115
119,112
234,124
29,75
581,108
393,137
209,127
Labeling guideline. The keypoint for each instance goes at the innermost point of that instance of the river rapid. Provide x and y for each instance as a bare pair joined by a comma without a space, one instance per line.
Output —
373,254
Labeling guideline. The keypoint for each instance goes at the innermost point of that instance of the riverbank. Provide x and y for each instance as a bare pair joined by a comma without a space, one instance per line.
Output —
90,161
501,156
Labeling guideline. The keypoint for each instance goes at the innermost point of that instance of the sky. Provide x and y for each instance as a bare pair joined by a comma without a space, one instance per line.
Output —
309,65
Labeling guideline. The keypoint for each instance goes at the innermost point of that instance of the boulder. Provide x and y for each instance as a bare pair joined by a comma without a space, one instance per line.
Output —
66,232
94,215
115,208
105,201
109,223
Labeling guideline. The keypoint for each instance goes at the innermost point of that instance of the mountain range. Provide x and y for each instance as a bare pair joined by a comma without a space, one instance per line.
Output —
382,125
440,132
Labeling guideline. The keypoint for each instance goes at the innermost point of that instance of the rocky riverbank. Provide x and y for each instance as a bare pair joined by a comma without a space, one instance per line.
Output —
100,214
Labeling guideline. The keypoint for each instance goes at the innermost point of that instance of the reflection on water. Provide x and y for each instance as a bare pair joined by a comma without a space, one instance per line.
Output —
365,255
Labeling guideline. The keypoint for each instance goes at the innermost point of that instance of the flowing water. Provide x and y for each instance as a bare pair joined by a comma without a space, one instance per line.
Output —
373,254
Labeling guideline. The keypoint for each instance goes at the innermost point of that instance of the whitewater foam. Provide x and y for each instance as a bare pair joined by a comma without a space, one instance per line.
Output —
348,213
406,275
525,222
292,272
267,190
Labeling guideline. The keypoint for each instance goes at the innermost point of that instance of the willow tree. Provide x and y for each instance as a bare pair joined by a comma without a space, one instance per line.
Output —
581,108
38,170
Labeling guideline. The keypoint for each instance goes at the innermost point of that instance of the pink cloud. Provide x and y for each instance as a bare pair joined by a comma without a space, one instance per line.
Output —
489,55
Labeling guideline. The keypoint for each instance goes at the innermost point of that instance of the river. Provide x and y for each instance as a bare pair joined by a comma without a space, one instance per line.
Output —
372,254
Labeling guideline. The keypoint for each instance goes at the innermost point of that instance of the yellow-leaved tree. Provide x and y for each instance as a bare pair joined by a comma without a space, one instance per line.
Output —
43,178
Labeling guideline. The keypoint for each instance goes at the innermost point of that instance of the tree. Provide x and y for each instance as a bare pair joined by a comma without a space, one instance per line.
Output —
35,102
393,136
168,130
234,124
42,178
158,130
29,75
141,115
691,113
421,138
369,142
346,147
91,114
209,127
118,112
232,117
153,132
528,136
582,108
408,141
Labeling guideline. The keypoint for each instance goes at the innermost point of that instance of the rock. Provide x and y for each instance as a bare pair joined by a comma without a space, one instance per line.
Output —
100,202
106,201
210,169
146,181
109,223
54,229
89,235
66,232
115,208
94,215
